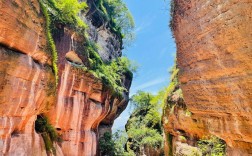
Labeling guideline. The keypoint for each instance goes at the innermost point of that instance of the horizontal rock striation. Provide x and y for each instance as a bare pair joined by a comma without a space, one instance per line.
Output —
214,57
25,92
75,108
26,79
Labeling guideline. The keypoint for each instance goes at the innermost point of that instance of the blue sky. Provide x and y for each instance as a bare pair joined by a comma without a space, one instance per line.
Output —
153,49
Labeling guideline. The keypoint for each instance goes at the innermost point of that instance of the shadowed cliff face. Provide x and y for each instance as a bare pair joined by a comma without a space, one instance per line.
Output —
214,57
27,87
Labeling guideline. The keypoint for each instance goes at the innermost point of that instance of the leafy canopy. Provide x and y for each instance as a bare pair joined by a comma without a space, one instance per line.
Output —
113,145
111,72
144,125
71,9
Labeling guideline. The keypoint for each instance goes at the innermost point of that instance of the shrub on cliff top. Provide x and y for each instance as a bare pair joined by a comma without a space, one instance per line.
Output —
110,72
66,12
118,18
144,124
71,9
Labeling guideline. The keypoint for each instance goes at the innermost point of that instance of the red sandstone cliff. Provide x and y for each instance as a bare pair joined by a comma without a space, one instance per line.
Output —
27,86
214,58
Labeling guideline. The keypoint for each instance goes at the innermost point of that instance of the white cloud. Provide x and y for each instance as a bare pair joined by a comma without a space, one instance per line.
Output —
150,84
148,20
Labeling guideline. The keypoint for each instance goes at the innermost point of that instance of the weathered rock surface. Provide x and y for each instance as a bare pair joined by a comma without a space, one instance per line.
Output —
83,102
110,44
25,77
22,28
214,57
27,87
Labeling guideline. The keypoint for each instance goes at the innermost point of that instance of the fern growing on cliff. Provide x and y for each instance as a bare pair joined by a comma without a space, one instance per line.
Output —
66,12
110,72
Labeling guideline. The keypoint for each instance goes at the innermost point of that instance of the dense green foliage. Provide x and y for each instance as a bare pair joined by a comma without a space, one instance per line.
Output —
48,132
144,126
212,146
143,129
120,139
70,10
118,18
107,145
113,145
66,12
110,72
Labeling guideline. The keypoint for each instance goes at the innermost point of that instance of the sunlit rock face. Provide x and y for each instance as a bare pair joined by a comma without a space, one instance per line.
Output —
75,107
24,93
214,56
83,101
82,104
25,77
22,28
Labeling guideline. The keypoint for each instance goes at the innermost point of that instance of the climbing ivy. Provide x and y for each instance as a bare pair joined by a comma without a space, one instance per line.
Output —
50,40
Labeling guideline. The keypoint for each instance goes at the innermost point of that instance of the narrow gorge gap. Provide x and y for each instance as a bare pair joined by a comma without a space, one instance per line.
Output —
125,78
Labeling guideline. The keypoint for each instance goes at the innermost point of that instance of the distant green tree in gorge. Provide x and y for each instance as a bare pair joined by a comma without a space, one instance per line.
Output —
144,125
114,145
107,145
143,129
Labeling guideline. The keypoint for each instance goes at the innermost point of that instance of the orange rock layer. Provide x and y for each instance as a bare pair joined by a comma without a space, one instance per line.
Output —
214,57
27,87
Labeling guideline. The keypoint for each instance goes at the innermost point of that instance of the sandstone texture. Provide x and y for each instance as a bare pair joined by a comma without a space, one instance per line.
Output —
25,77
22,28
83,102
214,44
75,107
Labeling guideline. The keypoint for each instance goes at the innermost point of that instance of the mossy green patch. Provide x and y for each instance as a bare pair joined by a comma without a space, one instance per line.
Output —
48,133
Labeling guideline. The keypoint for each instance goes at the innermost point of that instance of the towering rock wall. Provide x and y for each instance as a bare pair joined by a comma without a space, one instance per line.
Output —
214,57
25,77
75,107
